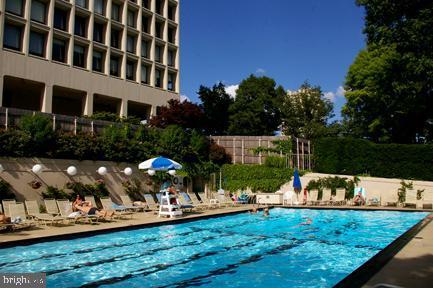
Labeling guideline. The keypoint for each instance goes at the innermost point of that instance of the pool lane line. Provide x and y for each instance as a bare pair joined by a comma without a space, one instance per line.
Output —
366,271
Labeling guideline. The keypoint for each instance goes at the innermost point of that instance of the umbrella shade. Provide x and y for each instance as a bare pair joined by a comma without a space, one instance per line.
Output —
160,164
296,181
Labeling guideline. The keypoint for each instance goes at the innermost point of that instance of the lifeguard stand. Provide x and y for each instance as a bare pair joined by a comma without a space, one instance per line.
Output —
167,207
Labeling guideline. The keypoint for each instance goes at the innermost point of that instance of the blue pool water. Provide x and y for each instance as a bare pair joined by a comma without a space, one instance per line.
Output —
244,250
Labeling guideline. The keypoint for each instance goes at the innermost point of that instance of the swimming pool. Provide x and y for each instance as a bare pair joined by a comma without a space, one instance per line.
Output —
243,250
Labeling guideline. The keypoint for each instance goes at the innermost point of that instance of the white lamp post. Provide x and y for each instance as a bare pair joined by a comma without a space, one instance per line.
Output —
127,171
102,170
37,168
72,170
151,172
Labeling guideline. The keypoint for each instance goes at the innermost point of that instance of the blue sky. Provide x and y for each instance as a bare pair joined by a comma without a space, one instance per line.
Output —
288,40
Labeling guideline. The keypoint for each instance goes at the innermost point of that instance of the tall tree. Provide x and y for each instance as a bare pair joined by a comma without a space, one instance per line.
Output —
255,110
306,112
184,114
215,106
390,84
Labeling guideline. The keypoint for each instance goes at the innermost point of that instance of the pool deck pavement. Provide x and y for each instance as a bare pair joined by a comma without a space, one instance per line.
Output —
412,266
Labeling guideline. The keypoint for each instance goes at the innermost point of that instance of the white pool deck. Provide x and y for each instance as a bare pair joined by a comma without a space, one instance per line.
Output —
412,266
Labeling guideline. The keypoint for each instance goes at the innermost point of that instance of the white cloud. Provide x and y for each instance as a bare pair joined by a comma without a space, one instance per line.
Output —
333,96
231,90
184,98
260,71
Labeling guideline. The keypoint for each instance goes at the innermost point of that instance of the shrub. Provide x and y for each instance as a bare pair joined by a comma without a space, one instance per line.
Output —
333,183
40,130
218,155
276,162
97,190
356,156
56,193
133,189
257,177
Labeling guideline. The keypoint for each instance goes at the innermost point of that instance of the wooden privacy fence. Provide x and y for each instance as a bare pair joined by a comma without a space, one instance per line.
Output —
241,148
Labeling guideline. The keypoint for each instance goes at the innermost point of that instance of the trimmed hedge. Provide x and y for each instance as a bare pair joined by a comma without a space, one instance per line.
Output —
257,177
356,156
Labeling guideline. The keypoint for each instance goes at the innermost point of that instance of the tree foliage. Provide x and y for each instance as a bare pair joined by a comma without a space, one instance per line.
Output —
255,110
184,114
215,106
305,113
390,84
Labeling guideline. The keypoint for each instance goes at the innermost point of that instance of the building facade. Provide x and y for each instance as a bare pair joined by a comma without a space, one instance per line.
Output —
79,57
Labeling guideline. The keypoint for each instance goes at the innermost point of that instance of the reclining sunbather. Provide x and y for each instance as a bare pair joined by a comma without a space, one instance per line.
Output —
86,208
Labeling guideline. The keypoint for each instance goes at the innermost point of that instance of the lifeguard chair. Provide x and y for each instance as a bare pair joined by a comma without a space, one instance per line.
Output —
169,205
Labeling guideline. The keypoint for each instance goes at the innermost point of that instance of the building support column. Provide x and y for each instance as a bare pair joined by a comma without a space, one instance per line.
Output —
47,100
88,105
1,89
124,108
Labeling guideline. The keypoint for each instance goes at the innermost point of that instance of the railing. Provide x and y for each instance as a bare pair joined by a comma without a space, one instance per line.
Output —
11,117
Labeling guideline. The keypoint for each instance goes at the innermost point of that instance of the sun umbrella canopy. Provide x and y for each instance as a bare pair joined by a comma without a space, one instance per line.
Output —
296,180
160,164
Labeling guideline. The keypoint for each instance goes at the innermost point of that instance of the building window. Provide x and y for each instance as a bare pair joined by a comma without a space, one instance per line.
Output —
12,37
38,11
81,3
145,24
98,32
100,7
115,12
79,56
171,81
158,53
158,78
145,45
146,4
80,26
131,19
130,44
15,6
171,58
172,12
59,50
37,44
60,19
145,74
114,66
159,7
171,34
115,38
159,29
130,70
97,63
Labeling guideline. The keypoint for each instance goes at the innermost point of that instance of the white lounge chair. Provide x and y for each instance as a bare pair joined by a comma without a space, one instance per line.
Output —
32,208
312,197
340,195
326,197
410,198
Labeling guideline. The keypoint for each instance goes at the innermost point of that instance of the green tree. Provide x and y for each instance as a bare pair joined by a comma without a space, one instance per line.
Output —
40,130
390,84
305,113
215,106
255,110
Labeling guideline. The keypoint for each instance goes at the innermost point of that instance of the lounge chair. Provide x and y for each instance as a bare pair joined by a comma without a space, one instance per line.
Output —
91,199
427,199
197,203
127,202
33,211
6,203
151,202
326,197
158,196
410,198
185,202
224,201
374,200
19,217
312,197
120,210
339,198
65,209
390,199
52,207
211,203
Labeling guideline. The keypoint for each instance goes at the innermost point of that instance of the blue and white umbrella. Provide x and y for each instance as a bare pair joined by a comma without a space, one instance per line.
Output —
159,164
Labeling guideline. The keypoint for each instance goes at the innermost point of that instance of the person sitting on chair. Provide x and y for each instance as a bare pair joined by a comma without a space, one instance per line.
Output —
359,200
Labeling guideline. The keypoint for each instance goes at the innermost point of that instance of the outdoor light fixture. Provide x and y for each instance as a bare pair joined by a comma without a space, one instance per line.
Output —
127,171
151,172
102,171
172,172
37,168
1,168
72,170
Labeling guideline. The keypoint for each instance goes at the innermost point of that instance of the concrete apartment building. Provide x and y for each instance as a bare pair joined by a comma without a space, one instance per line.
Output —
78,57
